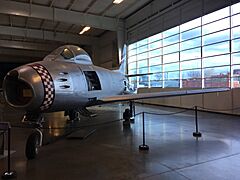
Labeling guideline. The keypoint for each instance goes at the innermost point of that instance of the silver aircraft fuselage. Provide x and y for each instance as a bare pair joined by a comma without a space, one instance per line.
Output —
61,82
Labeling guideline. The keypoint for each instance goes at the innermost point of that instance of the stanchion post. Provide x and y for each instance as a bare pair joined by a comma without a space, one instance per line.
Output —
143,146
197,133
9,174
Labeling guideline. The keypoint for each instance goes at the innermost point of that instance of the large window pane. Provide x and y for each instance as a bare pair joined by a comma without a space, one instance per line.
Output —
132,71
142,49
236,32
133,83
171,49
156,83
191,34
132,65
191,78
217,72
142,56
236,58
191,43
142,42
171,58
156,77
217,77
236,76
132,52
171,75
155,37
235,45
215,49
216,37
132,46
154,69
217,82
216,61
171,32
143,81
143,70
192,83
235,20
171,67
171,83
155,45
216,26
155,61
216,15
190,54
154,53
190,74
193,64
191,24
235,8
171,40
132,59
143,63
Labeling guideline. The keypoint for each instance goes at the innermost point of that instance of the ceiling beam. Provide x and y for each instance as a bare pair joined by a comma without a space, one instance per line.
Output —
18,59
61,15
27,45
48,35
19,53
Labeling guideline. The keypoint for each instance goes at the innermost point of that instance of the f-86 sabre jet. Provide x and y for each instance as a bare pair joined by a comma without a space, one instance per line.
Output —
66,80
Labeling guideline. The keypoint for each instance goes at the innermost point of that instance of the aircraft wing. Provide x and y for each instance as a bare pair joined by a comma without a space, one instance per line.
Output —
130,97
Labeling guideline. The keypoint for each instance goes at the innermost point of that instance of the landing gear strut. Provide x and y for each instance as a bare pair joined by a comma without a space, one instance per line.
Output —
129,114
34,140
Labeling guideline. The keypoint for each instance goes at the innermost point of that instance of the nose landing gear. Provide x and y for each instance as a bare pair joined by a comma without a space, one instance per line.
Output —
34,140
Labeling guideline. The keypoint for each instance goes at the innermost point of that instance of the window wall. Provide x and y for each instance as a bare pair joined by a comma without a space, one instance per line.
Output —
201,53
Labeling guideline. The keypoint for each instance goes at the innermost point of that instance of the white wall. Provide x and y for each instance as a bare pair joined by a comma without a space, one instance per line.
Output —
216,102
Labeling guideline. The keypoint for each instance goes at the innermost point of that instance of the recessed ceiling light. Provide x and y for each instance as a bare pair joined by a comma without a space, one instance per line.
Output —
117,1
84,29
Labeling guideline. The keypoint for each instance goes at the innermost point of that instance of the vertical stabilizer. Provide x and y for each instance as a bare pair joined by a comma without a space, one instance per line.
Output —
123,63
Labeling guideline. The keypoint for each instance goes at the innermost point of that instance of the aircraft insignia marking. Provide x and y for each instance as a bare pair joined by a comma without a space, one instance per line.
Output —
49,90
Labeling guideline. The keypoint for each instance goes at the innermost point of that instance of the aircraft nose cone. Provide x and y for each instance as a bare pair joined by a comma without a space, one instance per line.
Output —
23,88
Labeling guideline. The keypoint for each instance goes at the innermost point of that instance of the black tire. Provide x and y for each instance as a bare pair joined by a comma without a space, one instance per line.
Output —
32,145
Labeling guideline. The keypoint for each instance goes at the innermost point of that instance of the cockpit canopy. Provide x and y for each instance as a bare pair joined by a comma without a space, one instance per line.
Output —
69,53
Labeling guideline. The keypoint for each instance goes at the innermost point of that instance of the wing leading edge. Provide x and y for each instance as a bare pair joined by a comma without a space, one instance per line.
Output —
130,97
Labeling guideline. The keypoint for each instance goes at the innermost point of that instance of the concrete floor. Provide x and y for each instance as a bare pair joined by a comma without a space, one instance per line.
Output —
112,151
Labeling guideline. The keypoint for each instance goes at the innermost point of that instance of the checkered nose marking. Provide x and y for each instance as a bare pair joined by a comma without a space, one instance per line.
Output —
49,90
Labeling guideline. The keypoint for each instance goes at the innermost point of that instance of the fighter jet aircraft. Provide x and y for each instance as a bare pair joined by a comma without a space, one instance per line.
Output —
66,80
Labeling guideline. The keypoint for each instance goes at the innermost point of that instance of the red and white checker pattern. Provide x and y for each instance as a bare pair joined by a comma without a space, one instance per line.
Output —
49,90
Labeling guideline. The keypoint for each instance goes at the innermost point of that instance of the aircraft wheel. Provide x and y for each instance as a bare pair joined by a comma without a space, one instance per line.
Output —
33,143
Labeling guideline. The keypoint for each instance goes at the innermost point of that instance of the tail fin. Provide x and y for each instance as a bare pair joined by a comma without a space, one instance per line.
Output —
123,63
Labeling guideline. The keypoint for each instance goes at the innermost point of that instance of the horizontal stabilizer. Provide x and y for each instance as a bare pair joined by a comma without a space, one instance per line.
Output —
130,97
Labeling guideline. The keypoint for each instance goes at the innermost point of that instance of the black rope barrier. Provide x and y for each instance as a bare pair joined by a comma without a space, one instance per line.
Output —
212,109
165,114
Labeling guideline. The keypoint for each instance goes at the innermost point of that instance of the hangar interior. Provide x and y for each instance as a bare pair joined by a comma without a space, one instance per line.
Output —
177,44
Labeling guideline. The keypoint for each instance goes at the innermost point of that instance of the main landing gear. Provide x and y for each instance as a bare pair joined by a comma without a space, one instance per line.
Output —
74,114
129,115
34,140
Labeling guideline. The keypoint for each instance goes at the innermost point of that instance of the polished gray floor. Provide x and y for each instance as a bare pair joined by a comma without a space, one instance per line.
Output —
111,152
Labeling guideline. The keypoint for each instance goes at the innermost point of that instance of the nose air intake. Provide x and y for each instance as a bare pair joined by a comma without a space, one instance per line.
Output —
18,92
